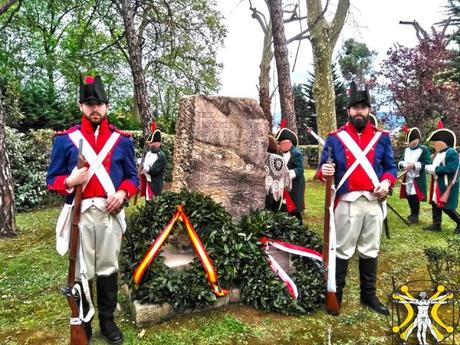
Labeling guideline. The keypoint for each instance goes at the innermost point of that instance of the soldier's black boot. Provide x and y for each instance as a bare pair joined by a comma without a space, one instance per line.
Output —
107,290
437,219
341,270
368,280
86,325
453,214
414,205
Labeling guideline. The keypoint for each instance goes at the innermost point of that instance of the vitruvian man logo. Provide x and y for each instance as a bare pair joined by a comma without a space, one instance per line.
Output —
423,317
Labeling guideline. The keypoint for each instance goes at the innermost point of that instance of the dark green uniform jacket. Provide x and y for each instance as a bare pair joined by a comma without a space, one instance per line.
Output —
298,183
157,173
448,168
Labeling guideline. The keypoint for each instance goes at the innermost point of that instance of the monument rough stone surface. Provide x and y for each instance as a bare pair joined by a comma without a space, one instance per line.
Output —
220,151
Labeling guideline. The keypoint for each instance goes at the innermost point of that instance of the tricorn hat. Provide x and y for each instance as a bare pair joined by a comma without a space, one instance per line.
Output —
412,134
358,96
287,134
155,134
92,90
373,120
444,135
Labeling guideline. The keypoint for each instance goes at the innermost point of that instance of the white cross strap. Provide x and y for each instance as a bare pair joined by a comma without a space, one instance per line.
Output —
360,156
95,161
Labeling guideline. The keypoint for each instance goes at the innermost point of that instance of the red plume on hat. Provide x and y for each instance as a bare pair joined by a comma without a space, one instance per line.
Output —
153,126
89,79
283,123
405,128
439,124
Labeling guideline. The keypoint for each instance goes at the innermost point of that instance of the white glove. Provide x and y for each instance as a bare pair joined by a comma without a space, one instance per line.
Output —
328,169
430,169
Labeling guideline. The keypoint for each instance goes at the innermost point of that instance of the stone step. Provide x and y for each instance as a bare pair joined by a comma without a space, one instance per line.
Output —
156,313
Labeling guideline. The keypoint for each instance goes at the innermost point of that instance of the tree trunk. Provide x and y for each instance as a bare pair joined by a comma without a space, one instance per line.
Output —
323,90
7,208
135,55
282,64
264,78
323,37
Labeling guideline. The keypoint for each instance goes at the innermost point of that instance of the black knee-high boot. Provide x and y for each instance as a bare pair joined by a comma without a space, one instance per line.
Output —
368,280
437,219
341,270
107,290
414,205
453,214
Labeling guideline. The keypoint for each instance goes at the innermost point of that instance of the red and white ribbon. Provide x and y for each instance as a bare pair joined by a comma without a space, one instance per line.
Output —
289,248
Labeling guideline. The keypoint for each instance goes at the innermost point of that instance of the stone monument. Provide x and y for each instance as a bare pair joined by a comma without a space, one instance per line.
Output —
220,151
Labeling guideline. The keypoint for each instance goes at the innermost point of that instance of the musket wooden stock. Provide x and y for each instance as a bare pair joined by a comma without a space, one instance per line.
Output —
332,305
77,331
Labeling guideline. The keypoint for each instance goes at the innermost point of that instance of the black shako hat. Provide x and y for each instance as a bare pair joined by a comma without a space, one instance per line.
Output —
92,90
287,134
358,97
444,135
412,134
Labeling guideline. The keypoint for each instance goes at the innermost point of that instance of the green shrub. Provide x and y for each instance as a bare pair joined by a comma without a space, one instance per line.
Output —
444,263
28,155
310,155
260,287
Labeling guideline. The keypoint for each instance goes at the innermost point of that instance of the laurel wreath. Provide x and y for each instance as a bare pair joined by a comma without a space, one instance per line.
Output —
234,249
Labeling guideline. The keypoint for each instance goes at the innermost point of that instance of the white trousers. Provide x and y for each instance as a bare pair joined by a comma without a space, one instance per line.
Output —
359,226
100,238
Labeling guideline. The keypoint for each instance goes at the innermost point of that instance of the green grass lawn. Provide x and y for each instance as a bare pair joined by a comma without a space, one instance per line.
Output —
32,310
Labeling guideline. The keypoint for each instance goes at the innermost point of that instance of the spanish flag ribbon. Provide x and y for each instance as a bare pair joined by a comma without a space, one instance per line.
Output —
198,246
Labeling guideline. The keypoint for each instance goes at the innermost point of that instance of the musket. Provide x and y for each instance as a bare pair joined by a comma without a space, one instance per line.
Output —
332,304
446,194
316,136
396,213
77,331
139,171
386,227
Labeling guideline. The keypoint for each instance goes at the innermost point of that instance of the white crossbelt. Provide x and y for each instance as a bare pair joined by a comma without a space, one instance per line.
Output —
361,159
360,156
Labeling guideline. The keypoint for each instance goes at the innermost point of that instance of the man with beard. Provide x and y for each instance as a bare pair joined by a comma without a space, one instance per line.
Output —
109,179
363,168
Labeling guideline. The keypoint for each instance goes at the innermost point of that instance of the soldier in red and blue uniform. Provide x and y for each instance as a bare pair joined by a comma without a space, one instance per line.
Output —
109,179
359,210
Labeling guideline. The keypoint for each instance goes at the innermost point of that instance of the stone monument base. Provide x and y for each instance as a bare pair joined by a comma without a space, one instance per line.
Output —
156,313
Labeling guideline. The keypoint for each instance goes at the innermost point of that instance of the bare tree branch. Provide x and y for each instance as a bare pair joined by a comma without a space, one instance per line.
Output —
6,6
339,19
7,22
419,31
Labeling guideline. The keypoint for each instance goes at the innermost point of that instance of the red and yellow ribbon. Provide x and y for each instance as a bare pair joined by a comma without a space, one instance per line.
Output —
198,246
